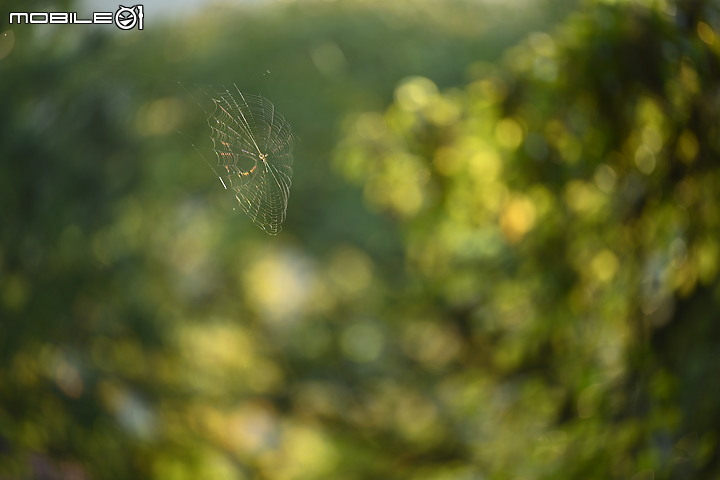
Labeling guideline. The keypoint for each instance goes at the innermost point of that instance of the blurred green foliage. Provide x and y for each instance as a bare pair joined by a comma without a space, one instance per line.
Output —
500,260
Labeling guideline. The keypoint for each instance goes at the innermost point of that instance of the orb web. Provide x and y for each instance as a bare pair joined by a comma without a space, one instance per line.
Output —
253,144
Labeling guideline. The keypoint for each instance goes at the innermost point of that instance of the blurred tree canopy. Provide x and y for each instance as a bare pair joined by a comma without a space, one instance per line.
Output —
500,260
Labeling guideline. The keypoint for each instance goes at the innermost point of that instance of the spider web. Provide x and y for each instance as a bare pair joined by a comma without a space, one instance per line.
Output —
253,144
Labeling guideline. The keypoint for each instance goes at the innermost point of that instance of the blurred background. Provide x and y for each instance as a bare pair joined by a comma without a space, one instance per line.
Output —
500,259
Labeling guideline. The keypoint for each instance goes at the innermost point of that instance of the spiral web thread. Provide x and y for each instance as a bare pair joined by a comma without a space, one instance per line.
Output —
253,144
